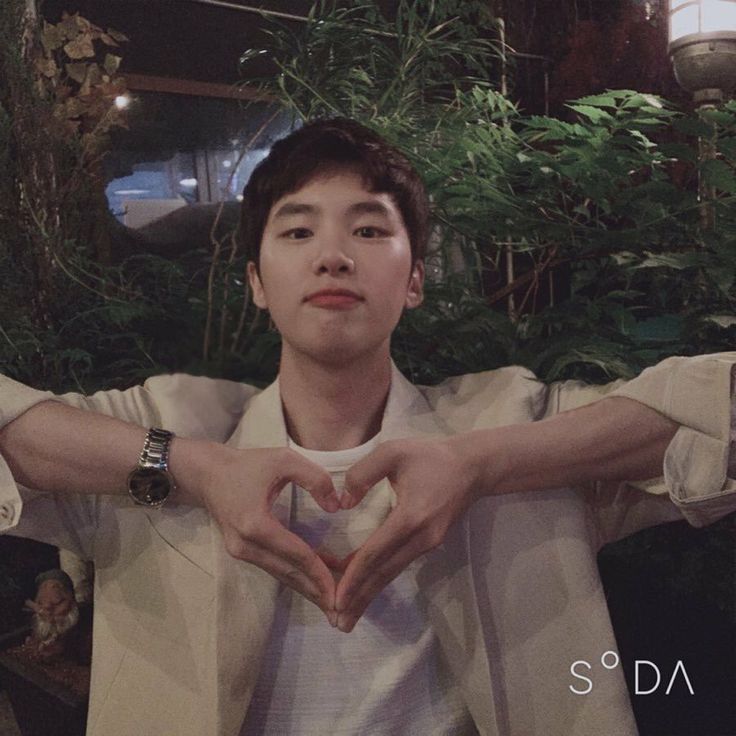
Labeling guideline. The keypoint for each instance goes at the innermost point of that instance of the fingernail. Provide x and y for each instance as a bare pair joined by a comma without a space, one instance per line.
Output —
343,623
346,501
333,504
332,618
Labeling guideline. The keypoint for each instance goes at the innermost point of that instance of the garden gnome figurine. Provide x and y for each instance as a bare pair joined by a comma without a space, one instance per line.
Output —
56,633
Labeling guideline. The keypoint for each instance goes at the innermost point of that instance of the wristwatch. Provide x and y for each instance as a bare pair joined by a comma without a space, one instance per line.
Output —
151,483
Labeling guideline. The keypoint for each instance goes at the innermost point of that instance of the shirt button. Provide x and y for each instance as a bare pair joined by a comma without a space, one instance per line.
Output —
7,513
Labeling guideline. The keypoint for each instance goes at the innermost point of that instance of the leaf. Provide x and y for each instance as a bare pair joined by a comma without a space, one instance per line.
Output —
80,48
679,151
68,26
51,37
694,127
723,275
112,63
665,328
720,175
625,258
727,146
718,117
108,40
73,108
82,23
77,72
677,261
47,67
594,114
606,100
117,36
722,320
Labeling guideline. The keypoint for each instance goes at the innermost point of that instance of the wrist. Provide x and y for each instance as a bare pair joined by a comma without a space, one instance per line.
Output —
190,463
486,458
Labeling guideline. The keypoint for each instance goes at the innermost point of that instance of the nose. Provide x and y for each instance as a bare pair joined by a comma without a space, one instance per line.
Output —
332,257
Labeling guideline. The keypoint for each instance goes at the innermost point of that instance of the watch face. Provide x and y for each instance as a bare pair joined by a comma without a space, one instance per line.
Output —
149,486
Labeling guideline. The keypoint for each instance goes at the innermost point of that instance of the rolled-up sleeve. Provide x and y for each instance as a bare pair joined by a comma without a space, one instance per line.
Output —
67,521
697,393
697,481
17,398
190,406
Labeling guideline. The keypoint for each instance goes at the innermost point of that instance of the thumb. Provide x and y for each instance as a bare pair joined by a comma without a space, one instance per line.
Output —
315,480
362,476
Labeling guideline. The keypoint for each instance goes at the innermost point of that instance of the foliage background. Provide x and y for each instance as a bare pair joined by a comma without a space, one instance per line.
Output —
573,247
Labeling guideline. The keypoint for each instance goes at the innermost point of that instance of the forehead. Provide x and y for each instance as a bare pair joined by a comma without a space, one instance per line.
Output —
53,587
342,193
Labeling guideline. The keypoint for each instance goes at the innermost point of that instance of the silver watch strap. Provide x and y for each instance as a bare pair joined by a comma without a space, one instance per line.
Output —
155,452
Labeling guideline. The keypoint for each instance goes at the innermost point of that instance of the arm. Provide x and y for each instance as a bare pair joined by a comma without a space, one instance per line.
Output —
675,417
612,439
70,457
62,449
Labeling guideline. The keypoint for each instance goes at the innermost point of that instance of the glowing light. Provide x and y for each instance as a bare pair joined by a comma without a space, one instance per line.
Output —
684,22
705,16
717,15
122,101
188,182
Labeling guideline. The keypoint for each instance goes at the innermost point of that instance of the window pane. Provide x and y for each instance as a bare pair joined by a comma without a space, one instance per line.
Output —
678,3
719,15
684,22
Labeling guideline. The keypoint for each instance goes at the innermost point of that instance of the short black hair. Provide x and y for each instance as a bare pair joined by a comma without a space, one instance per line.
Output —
331,145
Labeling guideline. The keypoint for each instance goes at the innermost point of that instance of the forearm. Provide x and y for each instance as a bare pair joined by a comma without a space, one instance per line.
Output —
612,439
62,449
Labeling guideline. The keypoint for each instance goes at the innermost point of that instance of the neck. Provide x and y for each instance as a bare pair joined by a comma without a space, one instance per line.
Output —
333,407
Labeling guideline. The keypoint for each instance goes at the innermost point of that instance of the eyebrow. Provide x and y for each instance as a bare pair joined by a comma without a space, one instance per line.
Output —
369,207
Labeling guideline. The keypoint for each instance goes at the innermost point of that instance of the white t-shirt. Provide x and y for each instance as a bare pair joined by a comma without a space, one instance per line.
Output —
385,677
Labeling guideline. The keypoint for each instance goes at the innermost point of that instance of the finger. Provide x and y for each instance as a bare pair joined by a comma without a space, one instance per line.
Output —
312,478
296,580
379,546
335,563
378,578
368,471
293,552
271,546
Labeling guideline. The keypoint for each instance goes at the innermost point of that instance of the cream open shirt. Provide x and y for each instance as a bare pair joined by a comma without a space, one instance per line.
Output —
513,593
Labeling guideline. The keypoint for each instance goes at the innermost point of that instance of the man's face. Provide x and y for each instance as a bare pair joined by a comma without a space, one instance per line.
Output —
336,269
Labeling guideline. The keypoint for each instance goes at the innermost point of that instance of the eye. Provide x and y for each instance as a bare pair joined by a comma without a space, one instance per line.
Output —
297,233
368,231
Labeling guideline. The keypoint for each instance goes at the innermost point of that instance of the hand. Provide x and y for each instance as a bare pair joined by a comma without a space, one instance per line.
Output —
239,490
435,482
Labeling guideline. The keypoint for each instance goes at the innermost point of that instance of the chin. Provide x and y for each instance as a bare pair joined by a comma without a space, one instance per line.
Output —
46,630
340,353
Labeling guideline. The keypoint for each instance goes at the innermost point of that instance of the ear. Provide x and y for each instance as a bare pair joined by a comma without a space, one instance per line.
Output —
256,287
415,290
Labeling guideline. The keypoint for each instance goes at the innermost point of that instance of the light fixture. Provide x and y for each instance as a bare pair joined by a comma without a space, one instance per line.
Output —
702,44
122,101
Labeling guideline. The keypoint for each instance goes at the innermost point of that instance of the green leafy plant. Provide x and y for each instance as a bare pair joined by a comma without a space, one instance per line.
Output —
574,248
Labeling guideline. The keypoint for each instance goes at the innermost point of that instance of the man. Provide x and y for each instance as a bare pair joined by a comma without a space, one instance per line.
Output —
450,536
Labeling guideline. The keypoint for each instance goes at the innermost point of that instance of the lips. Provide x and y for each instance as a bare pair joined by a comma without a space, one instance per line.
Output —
334,298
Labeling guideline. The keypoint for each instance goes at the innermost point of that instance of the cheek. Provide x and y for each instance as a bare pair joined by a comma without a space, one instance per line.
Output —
63,608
